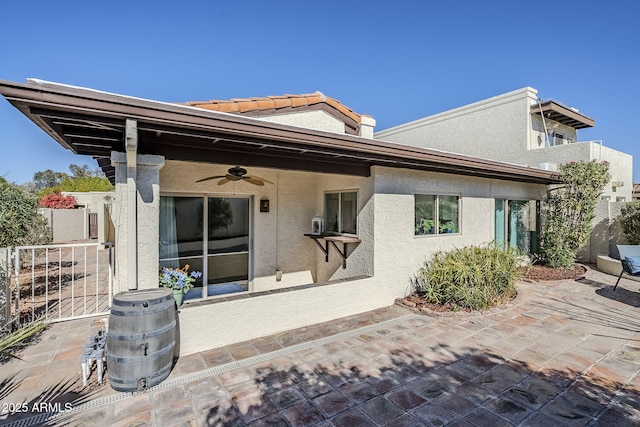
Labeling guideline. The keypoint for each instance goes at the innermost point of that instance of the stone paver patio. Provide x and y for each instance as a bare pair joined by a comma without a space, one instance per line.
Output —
565,353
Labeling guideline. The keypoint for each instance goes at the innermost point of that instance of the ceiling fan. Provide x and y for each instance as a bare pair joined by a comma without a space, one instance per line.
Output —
237,173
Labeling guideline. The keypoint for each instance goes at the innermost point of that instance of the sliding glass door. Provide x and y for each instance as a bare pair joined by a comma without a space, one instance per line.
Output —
516,224
219,246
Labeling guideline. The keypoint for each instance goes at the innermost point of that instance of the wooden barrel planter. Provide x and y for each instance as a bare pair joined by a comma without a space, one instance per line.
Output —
142,339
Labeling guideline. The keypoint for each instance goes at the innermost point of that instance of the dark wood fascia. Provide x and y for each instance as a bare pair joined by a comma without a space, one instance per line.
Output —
287,141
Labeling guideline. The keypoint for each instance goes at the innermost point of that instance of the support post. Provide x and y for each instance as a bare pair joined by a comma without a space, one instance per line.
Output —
137,251
131,145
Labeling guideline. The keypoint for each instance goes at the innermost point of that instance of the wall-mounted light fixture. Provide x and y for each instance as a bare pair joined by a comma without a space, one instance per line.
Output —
317,225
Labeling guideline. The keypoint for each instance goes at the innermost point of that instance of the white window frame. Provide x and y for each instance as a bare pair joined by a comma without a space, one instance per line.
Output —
205,268
436,219
340,225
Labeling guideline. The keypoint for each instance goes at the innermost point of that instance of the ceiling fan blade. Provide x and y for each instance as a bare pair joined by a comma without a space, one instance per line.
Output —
253,181
231,177
258,178
223,181
210,177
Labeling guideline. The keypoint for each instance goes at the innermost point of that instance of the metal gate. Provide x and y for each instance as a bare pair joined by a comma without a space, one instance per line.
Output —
59,282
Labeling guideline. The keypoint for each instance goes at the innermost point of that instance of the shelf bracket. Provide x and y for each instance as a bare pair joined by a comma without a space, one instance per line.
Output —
324,249
334,240
343,252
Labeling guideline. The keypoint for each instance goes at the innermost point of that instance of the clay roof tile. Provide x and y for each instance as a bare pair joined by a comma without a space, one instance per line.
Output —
281,101
244,105
265,103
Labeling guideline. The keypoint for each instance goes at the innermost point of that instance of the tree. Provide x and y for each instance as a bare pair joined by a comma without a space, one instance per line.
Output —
80,171
20,222
630,222
47,179
83,179
220,214
84,184
569,211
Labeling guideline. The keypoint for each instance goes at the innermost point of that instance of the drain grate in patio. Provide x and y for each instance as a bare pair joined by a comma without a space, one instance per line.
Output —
216,370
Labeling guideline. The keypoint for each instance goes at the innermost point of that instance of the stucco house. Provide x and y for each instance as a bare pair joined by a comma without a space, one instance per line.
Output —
518,127
232,188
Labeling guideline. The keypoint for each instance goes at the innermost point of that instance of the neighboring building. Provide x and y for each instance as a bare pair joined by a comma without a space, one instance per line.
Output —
247,228
98,221
519,128
636,192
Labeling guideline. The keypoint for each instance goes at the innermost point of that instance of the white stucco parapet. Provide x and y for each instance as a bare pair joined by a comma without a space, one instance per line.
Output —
367,125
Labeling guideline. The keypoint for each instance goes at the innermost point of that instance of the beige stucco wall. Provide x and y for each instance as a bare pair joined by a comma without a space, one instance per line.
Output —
491,128
278,235
211,326
360,255
606,233
98,202
309,119
538,135
389,252
620,168
68,225
384,261
503,128
620,164
398,252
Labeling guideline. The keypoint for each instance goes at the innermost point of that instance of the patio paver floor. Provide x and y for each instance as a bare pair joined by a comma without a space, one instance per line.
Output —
567,353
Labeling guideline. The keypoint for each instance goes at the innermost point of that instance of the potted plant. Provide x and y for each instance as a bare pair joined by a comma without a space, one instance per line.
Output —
448,227
179,280
425,226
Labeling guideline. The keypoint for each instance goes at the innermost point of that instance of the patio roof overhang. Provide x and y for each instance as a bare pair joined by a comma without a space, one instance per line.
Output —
92,122
553,110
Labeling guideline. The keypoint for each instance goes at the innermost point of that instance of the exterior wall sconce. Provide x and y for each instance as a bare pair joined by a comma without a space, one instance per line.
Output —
264,205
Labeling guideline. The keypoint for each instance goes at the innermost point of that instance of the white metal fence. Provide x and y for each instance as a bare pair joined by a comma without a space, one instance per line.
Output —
61,282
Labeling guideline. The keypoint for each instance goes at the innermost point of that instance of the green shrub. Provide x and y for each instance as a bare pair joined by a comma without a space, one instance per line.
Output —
569,210
472,277
20,222
630,222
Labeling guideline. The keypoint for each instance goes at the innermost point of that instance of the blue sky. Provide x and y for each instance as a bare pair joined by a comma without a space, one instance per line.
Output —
396,61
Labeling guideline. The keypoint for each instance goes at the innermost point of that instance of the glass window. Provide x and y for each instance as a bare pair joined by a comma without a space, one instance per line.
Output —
228,225
425,214
341,212
447,214
436,214
180,238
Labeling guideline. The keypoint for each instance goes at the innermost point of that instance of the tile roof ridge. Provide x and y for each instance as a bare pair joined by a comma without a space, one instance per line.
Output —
275,102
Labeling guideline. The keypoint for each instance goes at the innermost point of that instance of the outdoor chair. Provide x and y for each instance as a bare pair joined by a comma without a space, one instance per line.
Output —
630,258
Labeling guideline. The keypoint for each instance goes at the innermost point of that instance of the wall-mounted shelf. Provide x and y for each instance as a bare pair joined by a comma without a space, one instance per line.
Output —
334,240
